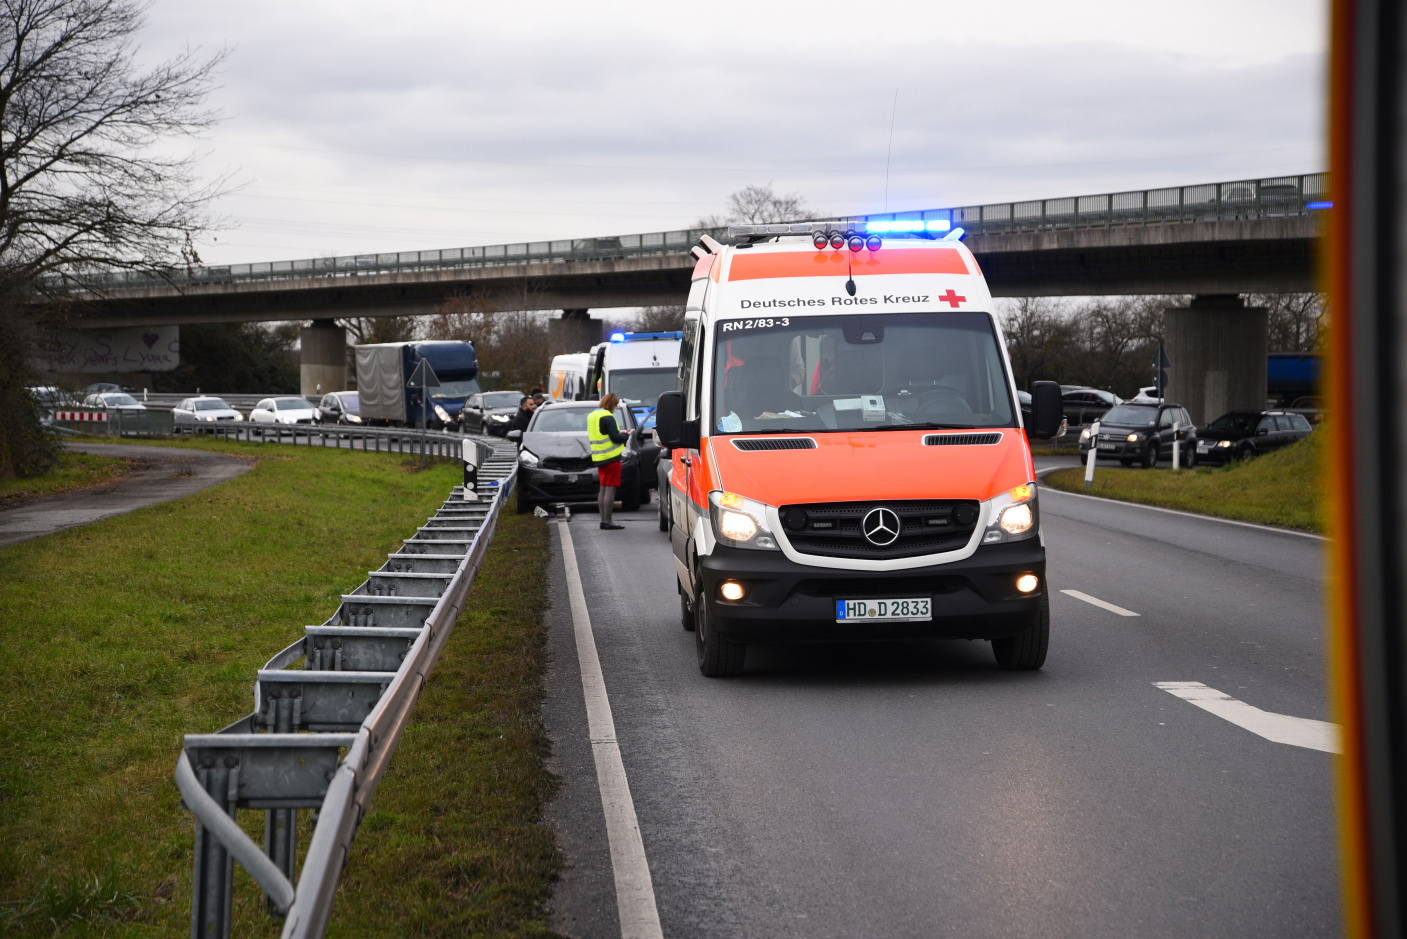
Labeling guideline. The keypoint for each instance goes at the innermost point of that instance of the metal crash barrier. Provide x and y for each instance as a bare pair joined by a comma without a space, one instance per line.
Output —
320,736
432,444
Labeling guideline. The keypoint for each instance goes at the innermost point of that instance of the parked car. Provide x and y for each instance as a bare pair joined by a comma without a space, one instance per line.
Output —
1086,405
1143,433
1239,435
489,412
288,410
98,387
554,458
114,401
339,407
205,408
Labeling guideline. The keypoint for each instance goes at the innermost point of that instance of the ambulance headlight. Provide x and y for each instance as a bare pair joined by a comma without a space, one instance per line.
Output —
1012,515
739,522
1016,519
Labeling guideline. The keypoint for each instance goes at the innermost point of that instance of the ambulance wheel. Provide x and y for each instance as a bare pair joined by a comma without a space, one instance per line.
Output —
686,611
719,656
630,501
1026,650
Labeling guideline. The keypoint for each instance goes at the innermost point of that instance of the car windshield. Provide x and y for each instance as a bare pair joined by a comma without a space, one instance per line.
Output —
502,399
1130,416
350,401
119,399
211,404
569,421
859,372
291,404
1236,421
641,387
454,390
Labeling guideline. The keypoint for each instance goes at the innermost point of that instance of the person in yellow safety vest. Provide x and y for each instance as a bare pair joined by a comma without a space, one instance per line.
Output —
607,444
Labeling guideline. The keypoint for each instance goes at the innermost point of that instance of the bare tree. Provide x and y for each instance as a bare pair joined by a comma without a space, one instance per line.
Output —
758,205
370,329
511,346
85,188
661,319
1297,320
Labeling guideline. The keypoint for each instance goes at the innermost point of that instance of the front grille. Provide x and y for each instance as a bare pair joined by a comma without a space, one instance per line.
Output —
832,529
961,440
881,587
567,464
774,443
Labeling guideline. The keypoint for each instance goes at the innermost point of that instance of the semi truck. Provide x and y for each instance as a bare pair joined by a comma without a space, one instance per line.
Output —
384,372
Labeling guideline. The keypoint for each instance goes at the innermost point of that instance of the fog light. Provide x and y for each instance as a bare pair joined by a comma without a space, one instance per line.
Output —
732,590
1027,583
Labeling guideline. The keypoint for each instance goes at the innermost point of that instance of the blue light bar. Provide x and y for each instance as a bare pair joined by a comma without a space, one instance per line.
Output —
631,337
1317,206
617,337
901,226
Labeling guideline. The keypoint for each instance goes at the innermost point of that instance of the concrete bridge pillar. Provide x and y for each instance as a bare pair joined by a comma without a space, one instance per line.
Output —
324,357
575,331
1218,348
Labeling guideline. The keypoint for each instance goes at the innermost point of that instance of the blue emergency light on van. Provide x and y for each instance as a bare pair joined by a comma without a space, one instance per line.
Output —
634,337
900,226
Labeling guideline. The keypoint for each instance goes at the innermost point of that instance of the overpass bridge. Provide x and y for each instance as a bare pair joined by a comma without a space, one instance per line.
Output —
1214,240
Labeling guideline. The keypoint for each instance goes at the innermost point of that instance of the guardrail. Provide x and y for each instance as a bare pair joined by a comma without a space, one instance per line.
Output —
115,422
1270,197
434,444
320,737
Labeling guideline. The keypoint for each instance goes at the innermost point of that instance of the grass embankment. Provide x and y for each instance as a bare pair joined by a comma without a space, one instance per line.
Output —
123,635
1280,488
73,471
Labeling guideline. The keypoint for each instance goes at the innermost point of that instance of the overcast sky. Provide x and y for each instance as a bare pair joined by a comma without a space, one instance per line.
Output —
358,127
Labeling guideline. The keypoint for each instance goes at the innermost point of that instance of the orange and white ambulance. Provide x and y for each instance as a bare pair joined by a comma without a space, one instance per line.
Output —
849,460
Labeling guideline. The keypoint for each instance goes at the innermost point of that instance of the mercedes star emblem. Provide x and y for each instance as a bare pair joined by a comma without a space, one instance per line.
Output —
880,526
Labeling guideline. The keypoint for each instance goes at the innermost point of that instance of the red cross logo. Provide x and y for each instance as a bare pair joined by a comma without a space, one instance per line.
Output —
952,298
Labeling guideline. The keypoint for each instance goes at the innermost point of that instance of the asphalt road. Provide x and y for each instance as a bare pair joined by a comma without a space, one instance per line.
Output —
915,790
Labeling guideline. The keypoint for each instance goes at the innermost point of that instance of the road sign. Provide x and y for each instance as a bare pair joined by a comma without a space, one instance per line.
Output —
1162,360
423,376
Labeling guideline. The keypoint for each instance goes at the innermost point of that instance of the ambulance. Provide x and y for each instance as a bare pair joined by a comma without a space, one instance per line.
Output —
849,457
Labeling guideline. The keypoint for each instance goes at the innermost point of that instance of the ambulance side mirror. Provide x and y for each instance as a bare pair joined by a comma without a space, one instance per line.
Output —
673,430
1046,408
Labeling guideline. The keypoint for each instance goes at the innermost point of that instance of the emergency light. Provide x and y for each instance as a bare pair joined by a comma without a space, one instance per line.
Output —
634,337
899,226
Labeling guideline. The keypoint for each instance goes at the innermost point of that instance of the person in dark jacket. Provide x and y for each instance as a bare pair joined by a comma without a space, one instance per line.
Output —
524,415
607,445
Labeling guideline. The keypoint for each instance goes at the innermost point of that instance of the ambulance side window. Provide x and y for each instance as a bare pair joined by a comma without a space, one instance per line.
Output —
686,353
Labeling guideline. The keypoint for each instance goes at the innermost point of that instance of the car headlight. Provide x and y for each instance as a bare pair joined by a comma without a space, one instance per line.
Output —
1223,443
740,522
443,415
354,418
1084,435
528,458
238,416
502,418
1014,515
1134,438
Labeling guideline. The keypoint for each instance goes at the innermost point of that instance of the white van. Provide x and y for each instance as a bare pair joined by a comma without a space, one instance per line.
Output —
636,367
566,377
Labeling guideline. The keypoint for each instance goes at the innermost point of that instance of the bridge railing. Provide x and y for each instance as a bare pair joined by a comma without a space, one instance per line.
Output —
1272,197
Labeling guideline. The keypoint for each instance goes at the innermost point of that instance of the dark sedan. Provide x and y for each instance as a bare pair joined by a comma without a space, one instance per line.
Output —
1240,435
554,458
1143,433
489,412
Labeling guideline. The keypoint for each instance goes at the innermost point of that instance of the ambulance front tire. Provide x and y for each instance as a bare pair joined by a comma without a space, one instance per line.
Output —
1025,651
719,656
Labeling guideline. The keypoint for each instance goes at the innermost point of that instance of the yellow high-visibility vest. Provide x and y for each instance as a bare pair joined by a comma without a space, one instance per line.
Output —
603,449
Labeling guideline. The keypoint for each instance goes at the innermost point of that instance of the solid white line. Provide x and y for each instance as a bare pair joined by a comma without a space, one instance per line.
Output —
1102,604
1197,515
635,891
1280,728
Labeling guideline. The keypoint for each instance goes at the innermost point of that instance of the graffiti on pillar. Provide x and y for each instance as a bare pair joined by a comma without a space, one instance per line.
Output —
103,351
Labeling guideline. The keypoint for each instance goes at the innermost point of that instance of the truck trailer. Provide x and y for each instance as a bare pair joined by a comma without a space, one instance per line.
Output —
385,369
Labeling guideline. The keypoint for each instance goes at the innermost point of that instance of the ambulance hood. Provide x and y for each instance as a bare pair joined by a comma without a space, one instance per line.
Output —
878,465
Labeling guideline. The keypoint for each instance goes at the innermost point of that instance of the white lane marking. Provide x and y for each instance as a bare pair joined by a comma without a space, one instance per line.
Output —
1102,604
1197,515
1279,728
635,891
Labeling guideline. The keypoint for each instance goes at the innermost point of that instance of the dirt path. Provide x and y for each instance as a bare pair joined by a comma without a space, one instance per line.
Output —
162,474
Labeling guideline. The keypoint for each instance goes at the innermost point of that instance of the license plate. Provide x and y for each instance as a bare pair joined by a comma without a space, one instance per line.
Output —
1203,449
884,611
571,478
1108,446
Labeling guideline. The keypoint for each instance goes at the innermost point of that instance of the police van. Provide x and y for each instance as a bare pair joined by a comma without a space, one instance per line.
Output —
849,458
636,367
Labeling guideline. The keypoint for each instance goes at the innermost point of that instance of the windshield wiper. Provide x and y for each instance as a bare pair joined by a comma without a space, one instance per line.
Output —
921,425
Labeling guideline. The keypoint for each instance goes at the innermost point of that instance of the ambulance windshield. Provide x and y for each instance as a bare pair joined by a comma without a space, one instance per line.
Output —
864,372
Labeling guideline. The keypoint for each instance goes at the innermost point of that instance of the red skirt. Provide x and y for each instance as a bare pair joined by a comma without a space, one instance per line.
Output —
610,473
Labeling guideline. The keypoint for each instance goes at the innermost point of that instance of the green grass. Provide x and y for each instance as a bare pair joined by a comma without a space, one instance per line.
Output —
73,471
123,635
1280,488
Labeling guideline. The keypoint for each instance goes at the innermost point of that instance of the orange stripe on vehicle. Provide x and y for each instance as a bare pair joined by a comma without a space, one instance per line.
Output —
830,263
